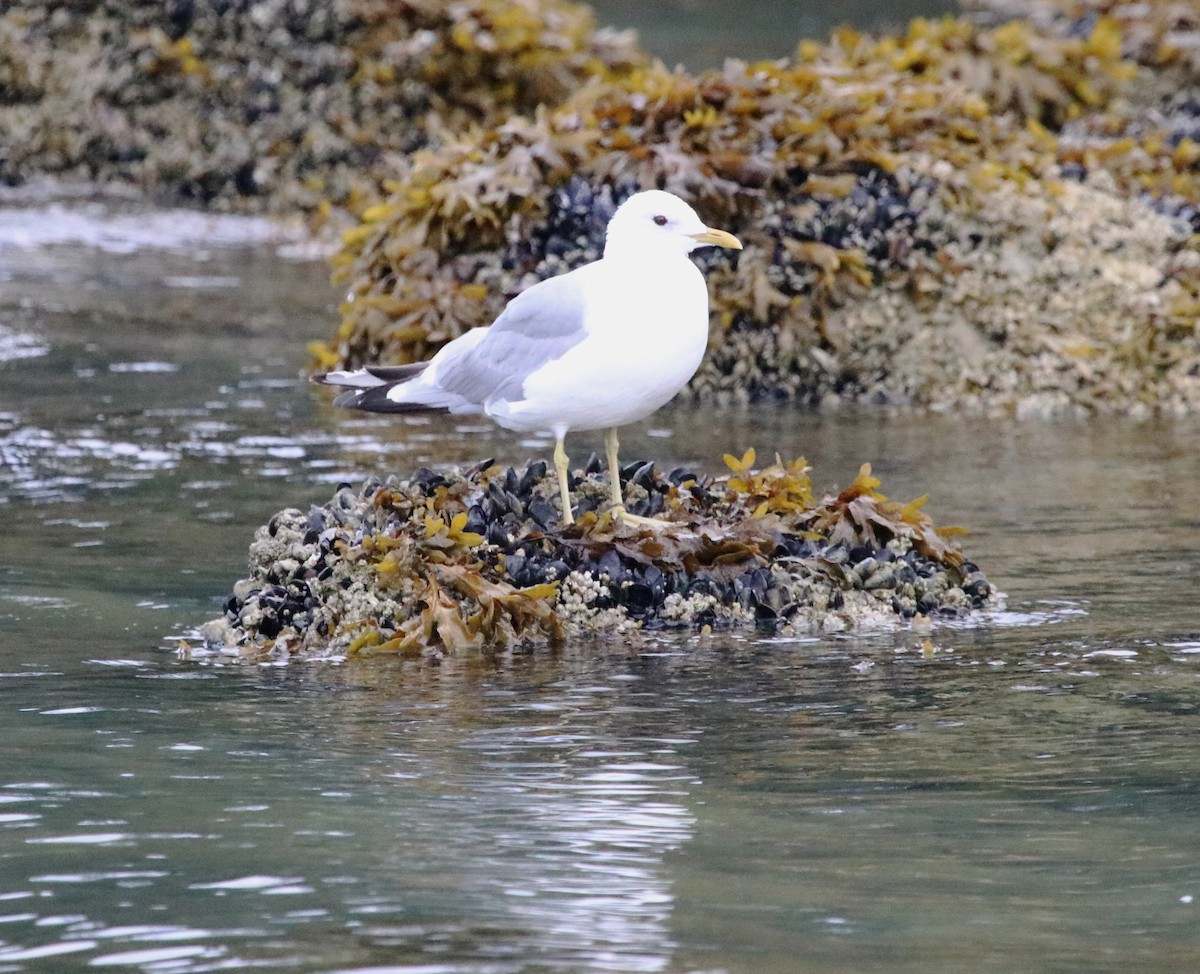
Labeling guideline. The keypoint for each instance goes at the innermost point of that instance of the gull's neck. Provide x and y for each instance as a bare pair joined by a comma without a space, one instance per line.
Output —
637,249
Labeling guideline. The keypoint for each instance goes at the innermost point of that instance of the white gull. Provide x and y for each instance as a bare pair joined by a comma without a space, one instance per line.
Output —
596,348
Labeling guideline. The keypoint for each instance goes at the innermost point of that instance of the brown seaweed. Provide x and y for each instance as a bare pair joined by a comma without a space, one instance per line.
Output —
938,218
453,563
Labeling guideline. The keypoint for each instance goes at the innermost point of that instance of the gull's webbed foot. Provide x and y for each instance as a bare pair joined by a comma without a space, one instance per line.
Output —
636,520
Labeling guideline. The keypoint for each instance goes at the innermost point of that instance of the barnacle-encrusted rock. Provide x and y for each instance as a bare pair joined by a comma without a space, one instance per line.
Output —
445,563
274,104
938,219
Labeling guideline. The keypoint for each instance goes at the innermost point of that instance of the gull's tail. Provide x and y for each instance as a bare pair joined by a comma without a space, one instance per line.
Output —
393,389
378,388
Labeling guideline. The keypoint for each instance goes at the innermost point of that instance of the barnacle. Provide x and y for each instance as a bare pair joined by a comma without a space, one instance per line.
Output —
984,211
288,105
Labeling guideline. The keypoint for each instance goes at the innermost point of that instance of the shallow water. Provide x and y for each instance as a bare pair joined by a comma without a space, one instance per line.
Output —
1017,795
701,34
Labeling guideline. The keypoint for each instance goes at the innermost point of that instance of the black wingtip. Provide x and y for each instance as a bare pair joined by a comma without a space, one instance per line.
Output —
375,400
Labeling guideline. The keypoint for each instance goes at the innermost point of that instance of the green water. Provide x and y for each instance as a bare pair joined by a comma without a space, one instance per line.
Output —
701,34
1017,795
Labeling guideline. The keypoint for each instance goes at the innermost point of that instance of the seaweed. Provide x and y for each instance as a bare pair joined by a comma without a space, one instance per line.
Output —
920,214
280,105
480,562
980,212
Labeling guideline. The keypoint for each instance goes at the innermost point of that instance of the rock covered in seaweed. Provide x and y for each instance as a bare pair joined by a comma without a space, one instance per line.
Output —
445,562
942,219
274,104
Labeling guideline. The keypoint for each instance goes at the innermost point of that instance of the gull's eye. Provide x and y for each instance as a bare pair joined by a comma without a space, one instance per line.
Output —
660,220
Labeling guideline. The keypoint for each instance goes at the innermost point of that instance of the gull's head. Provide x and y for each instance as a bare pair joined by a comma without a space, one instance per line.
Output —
656,222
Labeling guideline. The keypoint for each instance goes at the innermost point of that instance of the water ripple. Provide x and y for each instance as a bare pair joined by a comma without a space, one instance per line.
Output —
18,345
103,226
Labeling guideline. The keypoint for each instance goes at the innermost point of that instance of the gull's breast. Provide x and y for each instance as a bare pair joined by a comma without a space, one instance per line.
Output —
647,331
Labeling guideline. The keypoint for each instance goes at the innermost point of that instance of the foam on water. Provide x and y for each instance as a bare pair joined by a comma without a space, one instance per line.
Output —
111,228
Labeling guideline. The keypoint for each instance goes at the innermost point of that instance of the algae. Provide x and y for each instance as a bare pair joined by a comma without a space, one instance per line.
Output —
446,563
995,212
939,219
280,105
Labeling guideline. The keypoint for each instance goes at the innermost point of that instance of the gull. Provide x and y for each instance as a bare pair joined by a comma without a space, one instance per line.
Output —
595,348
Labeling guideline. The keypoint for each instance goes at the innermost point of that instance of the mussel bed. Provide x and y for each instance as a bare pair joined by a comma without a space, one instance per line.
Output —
479,560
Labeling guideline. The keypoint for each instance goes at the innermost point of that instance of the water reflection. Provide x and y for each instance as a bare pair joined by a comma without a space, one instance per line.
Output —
542,811
16,345
609,810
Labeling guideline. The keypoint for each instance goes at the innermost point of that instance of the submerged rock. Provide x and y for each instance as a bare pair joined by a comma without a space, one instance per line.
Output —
453,562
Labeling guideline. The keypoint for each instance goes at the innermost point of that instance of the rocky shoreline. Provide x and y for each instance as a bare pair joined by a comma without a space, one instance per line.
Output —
976,214
281,106
445,563
984,213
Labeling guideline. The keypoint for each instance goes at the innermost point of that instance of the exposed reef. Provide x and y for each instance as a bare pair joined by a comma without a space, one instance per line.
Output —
479,561
282,105
943,219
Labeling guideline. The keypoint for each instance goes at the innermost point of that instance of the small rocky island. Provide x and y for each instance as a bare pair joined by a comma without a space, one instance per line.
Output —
443,563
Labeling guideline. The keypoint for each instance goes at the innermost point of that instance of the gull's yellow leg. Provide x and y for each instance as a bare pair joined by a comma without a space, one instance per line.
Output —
560,465
610,447
614,472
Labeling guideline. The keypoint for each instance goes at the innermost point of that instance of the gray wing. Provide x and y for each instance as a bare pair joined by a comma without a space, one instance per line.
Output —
540,324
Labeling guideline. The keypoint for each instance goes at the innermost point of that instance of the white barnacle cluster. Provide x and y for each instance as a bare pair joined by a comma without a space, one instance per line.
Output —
577,598
691,609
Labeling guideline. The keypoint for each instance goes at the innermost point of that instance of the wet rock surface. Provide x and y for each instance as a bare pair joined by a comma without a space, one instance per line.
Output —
979,213
448,563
